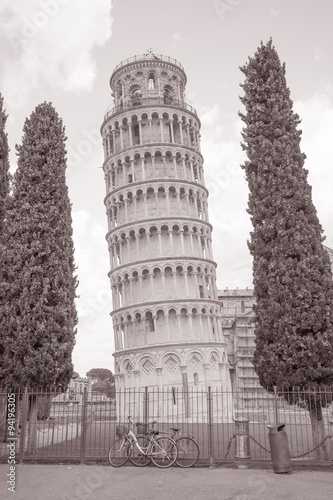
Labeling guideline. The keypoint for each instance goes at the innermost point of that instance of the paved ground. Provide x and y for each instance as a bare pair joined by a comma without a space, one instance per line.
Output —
98,482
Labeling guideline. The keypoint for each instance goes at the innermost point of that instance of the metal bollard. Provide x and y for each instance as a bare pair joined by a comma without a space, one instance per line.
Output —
242,438
280,453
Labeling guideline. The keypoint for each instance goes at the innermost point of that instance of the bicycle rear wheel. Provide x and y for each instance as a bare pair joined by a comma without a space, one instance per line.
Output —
164,452
119,452
188,452
137,457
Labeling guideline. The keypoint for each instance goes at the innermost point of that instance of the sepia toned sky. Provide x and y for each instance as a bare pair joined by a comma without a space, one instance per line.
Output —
64,51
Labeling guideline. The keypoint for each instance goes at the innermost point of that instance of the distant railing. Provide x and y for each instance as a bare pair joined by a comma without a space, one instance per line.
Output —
149,101
148,57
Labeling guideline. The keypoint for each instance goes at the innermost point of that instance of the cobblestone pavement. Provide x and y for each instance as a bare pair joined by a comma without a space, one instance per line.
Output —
98,482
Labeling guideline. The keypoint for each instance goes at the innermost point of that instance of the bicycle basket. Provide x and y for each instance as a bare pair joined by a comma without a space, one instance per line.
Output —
121,431
141,428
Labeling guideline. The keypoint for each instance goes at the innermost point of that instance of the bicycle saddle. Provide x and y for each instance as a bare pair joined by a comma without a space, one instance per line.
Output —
176,429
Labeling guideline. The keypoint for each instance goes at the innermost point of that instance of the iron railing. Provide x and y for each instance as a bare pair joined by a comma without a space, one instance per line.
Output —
148,57
226,426
149,101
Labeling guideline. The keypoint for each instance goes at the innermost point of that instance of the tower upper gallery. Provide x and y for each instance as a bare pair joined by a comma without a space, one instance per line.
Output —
149,106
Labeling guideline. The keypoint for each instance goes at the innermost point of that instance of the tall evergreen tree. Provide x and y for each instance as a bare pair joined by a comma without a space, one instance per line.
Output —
37,310
291,269
4,194
4,178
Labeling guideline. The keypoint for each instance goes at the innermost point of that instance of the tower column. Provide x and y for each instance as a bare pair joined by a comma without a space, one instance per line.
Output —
114,140
150,130
140,131
132,169
143,168
121,137
181,133
161,128
131,289
184,167
130,133
174,165
186,283
109,144
188,134
171,130
159,239
153,165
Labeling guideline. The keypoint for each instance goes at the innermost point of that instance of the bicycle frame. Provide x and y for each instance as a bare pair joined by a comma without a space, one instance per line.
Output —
145,451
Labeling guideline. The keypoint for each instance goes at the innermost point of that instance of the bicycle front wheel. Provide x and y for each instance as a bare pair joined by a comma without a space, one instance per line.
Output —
119,452
188,452
138,457
164,452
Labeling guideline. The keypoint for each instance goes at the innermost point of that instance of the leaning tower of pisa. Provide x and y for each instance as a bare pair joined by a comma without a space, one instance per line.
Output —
166,313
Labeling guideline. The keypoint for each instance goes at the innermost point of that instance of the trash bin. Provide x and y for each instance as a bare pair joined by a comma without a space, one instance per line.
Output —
280,453
242,438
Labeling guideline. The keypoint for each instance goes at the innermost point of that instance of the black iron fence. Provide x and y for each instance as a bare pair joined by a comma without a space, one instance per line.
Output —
226,426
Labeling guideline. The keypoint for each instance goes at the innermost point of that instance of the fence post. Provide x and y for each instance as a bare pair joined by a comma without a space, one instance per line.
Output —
210,426
23,425
145,406
52,436
84,427
276,404
330,432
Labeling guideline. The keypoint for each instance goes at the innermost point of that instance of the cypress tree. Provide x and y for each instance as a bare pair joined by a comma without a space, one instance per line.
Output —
38,314
291,269
4,178
4,194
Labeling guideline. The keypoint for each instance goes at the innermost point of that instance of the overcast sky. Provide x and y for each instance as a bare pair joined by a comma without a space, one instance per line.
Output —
64,51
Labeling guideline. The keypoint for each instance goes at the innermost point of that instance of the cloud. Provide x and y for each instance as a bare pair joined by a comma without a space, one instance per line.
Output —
317,125
51,42
94,341
228,195
274,12
176,38
319,56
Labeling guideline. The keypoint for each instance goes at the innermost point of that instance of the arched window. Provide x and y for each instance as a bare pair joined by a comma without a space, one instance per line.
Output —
150,321
136,97
151,81
167,96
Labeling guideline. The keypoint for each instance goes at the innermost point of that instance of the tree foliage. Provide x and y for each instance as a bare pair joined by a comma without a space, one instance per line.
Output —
100,374
103,381
4,178
38,314
291,269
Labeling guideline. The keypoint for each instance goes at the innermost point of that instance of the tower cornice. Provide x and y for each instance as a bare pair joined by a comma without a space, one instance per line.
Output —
157,220
205,301
150,182
171,346
149,61
152,145
176,258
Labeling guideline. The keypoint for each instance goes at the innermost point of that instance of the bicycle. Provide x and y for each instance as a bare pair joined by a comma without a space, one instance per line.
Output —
141,450
187,448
